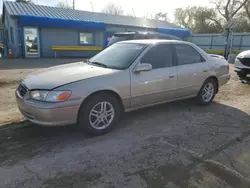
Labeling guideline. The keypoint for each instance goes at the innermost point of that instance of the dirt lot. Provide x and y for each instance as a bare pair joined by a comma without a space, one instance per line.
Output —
175,145
11,72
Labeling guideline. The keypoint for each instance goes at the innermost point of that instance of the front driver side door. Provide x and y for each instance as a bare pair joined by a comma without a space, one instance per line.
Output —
159,84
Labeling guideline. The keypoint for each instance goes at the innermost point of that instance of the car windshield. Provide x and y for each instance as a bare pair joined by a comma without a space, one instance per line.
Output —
118,56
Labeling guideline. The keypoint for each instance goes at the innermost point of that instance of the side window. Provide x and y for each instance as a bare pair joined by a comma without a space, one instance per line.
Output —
159,56
187,54
86,38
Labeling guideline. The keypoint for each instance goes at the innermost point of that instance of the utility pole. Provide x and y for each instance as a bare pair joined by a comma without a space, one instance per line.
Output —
73,4
133,12
229,33
92,6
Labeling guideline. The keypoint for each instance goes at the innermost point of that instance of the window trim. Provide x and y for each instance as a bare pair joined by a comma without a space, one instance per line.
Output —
172,50
176,57
93,38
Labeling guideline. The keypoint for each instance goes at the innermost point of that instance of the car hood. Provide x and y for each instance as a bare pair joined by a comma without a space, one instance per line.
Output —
244,54
53,77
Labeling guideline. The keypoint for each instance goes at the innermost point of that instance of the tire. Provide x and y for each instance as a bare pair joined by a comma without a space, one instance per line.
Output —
88,113
200,97
241,74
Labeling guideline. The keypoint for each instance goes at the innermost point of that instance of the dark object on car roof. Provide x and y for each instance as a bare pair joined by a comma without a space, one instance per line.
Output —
117,37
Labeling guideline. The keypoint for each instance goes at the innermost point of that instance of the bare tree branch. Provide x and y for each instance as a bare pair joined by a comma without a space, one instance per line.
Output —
239,7
63,4
226,10
218,23
247,10
112,8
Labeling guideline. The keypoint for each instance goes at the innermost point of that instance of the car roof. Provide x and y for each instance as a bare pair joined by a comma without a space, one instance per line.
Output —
154,41
153,33
136,32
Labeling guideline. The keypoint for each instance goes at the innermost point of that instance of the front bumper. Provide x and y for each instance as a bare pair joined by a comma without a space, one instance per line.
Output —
49,114
239,67
242,70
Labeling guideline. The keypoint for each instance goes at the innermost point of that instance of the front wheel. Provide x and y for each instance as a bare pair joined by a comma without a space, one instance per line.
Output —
99,114
207,92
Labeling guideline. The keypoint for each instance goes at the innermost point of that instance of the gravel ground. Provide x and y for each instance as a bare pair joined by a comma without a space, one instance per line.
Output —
174,145
11,72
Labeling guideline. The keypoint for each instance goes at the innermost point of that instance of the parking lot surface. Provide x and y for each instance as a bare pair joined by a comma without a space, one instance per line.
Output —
11,73
175,145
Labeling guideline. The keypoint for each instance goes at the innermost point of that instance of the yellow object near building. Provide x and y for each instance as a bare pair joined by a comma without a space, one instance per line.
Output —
77,48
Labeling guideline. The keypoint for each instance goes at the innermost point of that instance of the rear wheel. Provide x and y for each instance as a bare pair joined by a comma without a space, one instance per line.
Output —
99,114
207,92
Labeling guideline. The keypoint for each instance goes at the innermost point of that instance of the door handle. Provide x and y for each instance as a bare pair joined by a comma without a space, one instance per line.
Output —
171,76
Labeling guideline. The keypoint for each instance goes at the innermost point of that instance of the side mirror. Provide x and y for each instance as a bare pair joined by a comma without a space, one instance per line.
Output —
143,67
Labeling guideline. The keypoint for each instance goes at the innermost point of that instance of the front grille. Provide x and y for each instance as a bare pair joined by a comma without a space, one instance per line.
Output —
245,61
22,90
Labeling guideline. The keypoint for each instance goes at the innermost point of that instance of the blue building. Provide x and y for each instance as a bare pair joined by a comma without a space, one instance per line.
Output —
42,31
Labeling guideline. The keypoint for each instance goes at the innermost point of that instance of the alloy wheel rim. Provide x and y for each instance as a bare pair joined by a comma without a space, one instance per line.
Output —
101,115
208,92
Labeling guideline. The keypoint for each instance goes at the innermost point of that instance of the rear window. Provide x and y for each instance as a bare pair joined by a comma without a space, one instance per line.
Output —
144,37
118,38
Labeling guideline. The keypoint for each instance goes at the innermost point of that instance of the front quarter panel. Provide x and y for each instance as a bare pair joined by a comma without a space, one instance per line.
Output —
118,82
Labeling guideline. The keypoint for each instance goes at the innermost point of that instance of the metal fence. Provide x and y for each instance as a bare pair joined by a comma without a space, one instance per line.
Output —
215,43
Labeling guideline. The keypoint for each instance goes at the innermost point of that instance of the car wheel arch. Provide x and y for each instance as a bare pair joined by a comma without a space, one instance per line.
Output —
106,91
215,80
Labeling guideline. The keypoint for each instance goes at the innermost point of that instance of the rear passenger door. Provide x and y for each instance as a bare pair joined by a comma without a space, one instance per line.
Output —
192,70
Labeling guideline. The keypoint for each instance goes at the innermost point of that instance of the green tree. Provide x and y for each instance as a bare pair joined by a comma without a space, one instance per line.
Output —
198,19
207,20
242,19
229,9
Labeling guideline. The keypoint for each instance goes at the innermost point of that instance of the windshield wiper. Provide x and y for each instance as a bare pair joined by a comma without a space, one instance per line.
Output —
98,63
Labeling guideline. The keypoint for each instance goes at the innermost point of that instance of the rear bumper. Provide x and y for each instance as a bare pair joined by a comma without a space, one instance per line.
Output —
49,114
224,79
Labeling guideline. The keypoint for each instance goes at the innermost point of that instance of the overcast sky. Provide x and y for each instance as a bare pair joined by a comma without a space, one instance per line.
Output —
140,7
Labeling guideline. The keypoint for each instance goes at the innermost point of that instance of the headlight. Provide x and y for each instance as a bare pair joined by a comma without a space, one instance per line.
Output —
39,95
50,96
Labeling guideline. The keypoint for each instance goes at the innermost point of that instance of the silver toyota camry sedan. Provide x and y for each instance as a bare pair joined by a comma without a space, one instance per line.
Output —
125,76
